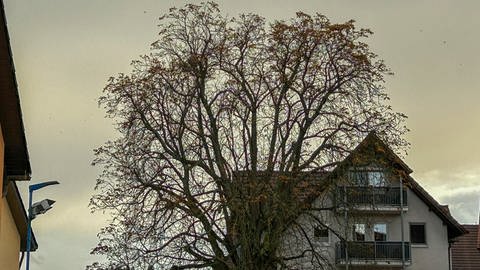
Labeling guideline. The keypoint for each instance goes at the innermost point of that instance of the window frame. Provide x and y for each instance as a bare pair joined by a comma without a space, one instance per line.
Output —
324,240
386,231
425,243
354,232
363,176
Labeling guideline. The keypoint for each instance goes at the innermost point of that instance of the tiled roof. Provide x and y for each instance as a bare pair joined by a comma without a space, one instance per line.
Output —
465,251
372,141
454,228
306,186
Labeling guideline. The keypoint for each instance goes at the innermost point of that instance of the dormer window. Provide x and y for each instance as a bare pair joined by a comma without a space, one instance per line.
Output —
368,176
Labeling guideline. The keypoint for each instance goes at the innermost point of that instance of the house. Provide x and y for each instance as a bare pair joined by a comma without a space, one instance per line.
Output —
15,164
380,218
466,249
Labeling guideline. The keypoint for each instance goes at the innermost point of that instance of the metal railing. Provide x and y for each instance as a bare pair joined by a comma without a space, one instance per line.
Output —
370,251
370,195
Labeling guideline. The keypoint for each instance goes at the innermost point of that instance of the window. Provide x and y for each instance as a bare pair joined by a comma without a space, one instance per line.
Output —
358,177
321,233
368,177
376,232
359,232
376,178
417,233
380,232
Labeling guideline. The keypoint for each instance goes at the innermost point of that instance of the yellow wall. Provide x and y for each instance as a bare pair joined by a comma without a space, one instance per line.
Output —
9,239
9,236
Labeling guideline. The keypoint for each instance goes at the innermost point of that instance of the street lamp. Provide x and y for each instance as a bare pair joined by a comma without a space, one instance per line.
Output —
36,209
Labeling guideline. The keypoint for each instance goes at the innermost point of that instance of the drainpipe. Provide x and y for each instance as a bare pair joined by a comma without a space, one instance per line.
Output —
401,226
449,255
346,226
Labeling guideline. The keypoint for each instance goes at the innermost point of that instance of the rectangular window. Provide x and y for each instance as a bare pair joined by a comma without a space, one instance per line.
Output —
368,177
380,232
359,232
376,178
359,178
321,233
417,233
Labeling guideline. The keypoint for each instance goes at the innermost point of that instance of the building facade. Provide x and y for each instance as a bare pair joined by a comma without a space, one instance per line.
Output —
380,218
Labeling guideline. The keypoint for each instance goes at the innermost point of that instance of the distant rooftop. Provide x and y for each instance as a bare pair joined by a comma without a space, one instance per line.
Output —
466,250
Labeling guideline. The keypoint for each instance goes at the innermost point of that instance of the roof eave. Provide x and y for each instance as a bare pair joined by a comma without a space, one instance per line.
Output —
19,215
16,152
454,228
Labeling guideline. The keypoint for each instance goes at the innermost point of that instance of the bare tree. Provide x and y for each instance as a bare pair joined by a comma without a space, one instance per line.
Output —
224,126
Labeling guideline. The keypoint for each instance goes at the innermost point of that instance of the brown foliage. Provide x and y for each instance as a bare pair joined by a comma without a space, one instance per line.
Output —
218,96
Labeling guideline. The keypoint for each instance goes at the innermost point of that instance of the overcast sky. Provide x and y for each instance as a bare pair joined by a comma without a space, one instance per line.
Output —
65,50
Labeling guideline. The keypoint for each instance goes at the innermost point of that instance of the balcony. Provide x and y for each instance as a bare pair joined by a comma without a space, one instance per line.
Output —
371,198
372,253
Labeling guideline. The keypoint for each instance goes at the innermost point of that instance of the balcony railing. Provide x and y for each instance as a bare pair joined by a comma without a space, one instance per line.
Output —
355,196
372,252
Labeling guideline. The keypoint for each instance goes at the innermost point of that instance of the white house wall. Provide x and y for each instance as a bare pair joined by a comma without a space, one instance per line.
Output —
433,255
295,242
